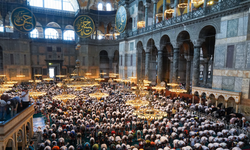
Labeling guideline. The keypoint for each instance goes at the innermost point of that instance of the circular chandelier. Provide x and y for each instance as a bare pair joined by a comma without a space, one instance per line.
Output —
137,103
169,11
150,114
64,97
98,95
182,5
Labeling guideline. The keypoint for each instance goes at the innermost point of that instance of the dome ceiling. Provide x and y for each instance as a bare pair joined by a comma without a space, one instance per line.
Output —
92,4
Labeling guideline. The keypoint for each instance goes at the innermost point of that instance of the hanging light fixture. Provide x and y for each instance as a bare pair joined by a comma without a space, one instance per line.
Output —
211,2
182,5
141,24
197,1
159,15
169,11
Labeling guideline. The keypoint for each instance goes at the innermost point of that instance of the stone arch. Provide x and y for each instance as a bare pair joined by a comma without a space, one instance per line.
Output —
212,99
221,100
231,102
20,139
140,61
10,144
104,61
152,60
196,93
183,36
166,48
55,26
141,11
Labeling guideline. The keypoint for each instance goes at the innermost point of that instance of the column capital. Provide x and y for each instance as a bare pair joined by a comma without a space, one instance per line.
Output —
147,5
176,44
197,43
188,58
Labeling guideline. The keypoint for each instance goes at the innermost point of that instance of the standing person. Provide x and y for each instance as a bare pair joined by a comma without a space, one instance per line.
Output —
31,145
25,98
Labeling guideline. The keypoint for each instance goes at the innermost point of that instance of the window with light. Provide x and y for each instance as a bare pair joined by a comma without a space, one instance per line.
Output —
69,35
108,7
1,28
34,33
67,5
100,7
51,34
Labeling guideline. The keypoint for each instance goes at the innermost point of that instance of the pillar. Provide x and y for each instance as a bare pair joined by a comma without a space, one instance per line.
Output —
171,69
111,63
188,6
105,31
154,11
193,99
147,65
159,65
205,71
146,14
196,63
96,28
188,67
216,102
175,62
237,107
200,98
226,103
175,7
4,30
163,10
205,4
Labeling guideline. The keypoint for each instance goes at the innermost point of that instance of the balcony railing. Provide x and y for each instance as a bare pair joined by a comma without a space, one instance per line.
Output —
195,14
8,113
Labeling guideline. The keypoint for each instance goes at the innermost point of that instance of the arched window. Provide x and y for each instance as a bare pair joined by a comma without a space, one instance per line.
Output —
34,33
100,7
51,33
1,28
108,7
54,4
67,5
69,35
37,3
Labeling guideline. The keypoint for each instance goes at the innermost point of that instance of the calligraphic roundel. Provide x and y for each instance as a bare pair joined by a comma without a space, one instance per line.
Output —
23,19
84,26
121,19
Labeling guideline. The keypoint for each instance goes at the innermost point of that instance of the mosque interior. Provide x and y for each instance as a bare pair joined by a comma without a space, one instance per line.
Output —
190,54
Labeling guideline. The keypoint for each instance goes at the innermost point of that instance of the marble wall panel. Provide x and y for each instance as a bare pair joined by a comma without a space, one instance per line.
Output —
240,56
232,28
220,52
238,84
228,83
217,82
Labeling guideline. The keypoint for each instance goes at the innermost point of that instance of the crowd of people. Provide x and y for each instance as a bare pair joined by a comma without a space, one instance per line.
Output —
86,123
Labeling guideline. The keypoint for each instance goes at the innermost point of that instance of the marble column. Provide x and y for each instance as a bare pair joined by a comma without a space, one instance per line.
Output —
146,15
196,63
175,7
205,4
159,65
237,107
105,31
111,64
163,10
154,11
188,69
171,69
176,63
205,71
188,6
147,65
138,65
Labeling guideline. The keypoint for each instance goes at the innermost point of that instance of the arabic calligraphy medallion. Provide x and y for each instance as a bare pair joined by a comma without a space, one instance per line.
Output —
23,19
121,19
84,26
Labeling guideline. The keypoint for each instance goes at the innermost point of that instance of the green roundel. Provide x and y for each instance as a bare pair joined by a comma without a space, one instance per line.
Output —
23,19
84,26
121,19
